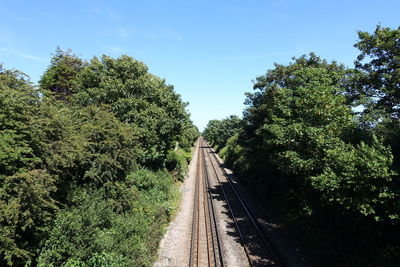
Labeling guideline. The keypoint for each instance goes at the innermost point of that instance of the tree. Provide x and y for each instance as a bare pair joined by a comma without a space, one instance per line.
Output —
72,183
85,145
189,136
377,84
26,208
217,132
26,200
297,129
330,171
59,78
18,101
136,97
379,64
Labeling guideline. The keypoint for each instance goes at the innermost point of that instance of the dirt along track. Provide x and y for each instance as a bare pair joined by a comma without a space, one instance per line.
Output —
218,228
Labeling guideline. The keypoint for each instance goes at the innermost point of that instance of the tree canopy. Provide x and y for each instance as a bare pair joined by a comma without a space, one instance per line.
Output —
217,132
331,167
83,162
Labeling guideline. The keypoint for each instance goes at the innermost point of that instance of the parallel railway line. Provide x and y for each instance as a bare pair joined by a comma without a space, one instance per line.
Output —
206,244
258,248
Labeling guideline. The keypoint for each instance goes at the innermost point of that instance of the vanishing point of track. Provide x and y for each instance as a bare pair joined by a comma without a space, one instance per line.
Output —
206,244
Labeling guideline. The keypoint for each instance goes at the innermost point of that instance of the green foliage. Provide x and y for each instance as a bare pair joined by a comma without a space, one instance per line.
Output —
301,119
96,222
26,201
359,179
26,206
135,96
18,102
138,98
98,260
302,146
86,144
60,76
233,155
177,163
189,137
72,191
379,67
377,85
217,132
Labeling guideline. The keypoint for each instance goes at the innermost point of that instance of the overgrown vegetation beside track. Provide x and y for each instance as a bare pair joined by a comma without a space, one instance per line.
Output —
219,131
329,171
83,162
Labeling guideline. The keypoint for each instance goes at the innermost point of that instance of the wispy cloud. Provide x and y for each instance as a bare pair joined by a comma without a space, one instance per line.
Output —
175,35
107,12
116,49
22,55
114,16
124,33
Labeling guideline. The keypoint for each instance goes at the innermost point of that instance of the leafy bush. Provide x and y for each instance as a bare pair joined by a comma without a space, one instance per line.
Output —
27,203
189,137
125,231
86,144
177,163
99,260
26,208
19,103
217,132
72,191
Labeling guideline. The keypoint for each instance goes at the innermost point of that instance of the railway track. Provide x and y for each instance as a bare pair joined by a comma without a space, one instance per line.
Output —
206,246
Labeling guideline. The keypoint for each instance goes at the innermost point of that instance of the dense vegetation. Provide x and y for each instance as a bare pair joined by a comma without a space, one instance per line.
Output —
88,162
218,132
320,143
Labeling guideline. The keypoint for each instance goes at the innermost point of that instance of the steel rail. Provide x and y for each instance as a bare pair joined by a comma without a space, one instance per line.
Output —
231,212
213,240
243,202
207,220
218,261
194,245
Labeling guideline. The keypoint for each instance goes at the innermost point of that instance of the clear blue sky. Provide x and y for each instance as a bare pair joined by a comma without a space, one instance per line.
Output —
210,50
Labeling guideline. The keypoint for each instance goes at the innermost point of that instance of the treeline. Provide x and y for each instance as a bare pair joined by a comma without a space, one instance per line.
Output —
88,162
319,144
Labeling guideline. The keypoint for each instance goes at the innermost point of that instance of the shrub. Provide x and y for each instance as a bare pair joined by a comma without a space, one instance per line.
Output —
26,208
177,163
125,223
